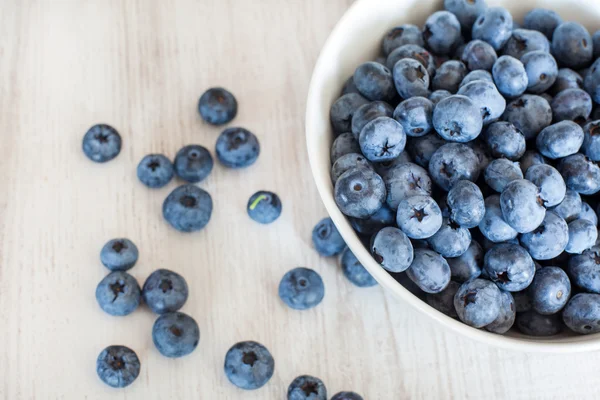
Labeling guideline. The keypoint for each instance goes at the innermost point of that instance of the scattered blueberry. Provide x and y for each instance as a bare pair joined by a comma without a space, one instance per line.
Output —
217,106
118,366
326,238
102,143
118,293
306,387
237,148
175,334
188,208
429,270
301,288
359,192
582,313
165,291
155,170
500,172
549,239
582,236
392,249
355,272
264,207
510,266
193,163
119,254
249,365
478,302
419,217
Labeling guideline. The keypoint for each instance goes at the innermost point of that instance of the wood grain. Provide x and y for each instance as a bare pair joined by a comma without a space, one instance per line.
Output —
141,65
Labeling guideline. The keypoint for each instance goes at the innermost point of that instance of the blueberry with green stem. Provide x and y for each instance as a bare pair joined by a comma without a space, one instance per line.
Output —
264,207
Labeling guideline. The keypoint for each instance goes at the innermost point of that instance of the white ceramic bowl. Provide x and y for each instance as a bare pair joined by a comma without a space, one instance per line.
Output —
356,39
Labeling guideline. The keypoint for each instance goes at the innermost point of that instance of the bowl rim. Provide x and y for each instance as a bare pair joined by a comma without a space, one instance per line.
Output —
314,122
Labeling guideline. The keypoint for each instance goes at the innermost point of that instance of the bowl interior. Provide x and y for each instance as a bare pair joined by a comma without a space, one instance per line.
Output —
356,39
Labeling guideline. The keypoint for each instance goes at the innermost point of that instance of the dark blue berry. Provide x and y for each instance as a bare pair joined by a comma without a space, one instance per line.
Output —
306,387
342,145
155,170
549,181
549,239
249,365
442,32
392,249
529,114
367,113
468,265
582,313
542,20
415,115
444,301
237,148
301,288
359,192
534,324
419,217
264,207
572,45
165,291
343,109
479,55
118,366
401,35
429,270
175,334
119,254
101,143
188,208
410,77
382,139
477,302
550,290
523,41
504,140
193,163
326,238
500,172
355,272
584,270
493,226
217,106
510,266
453,162
494,26
582,235
457,118
510,76
118,293
466,204
507,315
374,81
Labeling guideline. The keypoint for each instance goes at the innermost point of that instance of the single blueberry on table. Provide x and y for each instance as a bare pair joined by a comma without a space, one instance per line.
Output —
301,288
591,140
119,254
580,174
165,291
524,41
486,97
466,11
342,145
570,207
249,365
567,79
541,69
405,180
217,106
466,204
429,271
392,249
422,148
477,75
549,239
572,45
354,271
415,52
385,216
507,315
468,265
477,302
534,324
306,387
501,172
193,163
453,162
347,396
493,226
549,181
542,20
584,270
529,159
442,32
529,114
188,208
155,170
401,35
587,212
451,240
237,148
102,143
118,294
510,266
437,95
444,301
415,115
571,104
382,139
346,162
550,290
522,207
510,76
359,192
374,81
449,76
582,236
118,366
367,113
479,55
504,140
264,207
582,313
494,26
419,217
343,109
457,118
410,77
175,334
326,238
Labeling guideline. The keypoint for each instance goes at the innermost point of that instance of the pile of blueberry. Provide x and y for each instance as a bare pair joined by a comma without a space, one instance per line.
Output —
466,158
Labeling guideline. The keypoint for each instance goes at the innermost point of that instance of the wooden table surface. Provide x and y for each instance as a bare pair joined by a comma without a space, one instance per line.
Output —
141,65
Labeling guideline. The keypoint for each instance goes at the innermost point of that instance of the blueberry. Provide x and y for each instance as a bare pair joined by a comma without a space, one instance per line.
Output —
264,207
401,35
529,159
442,32
301,288
367,113
478,302
522,301
392,249
326,238
507,315
501,172
523,41
343,109
493,26
567,79
522,207
382,139
582,236
383,168
249,365
118,366
444,301
486,97
529,114
451,240
479,55
582,313
587,212
534,324
405,180
466,11
306,387
415,115
457,118
570,207
419,217
188,208
493,226
437,95
481,152
542,20
550,290
403,279
549,181
422,148
504,140
385,216
165,291
548,240
346,162
584,270
346,396
560,139
119,254
374,81
237,148
118,294
580,174
477,75
155,170
429,270
102,143
571,104
510,76
342,145
349,87
591,140
572,45
466,204
175,334
355,272
596,44
449,76
415,52
217,106
591,82
510,266
468,265
541,69
410,77
453,162
193,163
359,192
